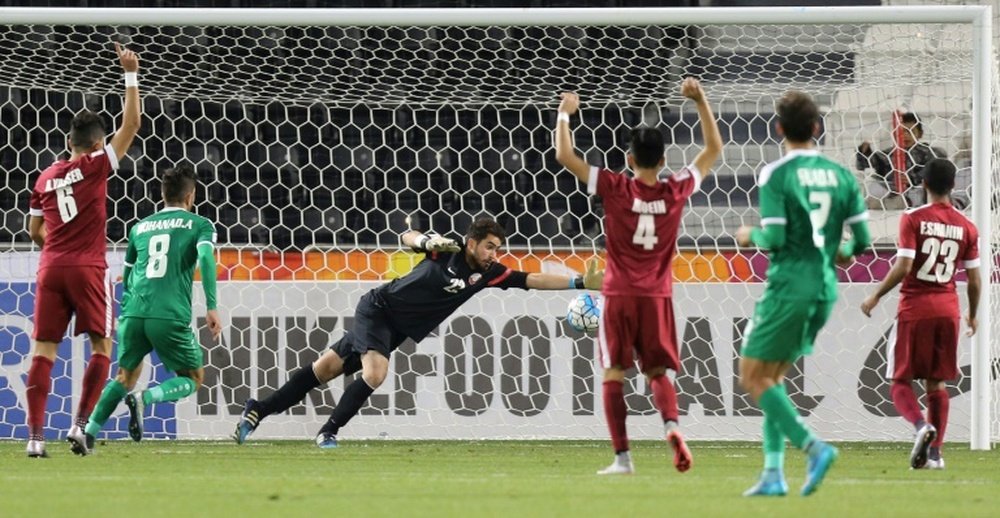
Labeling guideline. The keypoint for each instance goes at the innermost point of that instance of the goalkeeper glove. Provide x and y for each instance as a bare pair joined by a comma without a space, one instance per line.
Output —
435,243
593,278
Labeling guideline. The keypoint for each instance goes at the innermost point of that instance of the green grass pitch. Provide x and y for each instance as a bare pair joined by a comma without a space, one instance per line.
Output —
463,478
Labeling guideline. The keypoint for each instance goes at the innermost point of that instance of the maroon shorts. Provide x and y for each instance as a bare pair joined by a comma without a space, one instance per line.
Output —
638,329
63,291
924,349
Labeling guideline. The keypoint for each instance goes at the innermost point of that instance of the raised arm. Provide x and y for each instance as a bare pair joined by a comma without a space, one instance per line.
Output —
565,154
131,116
709,155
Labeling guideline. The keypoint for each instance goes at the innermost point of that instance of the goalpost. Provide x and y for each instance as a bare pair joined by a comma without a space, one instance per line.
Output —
320,134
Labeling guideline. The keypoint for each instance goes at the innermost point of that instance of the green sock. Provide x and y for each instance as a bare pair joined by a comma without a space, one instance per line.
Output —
774,445
776,405
170,390
112,394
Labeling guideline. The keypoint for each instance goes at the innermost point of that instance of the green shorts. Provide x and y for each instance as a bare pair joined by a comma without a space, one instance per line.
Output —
784,330
173,342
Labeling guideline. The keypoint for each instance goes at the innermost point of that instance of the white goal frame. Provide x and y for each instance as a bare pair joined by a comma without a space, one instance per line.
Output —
978,18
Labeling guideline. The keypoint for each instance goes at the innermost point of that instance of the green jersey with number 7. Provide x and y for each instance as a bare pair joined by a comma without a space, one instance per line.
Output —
814,197
163,253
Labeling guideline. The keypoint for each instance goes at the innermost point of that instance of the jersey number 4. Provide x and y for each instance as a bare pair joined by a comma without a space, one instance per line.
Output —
645,232
946,251
156,267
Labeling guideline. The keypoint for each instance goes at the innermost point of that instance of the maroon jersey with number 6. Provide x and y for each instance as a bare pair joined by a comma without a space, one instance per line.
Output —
71,196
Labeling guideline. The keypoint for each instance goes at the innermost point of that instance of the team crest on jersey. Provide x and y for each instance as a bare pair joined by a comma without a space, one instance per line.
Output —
474,278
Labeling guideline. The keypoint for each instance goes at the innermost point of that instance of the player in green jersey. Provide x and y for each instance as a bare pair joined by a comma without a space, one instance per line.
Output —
163,250
805,201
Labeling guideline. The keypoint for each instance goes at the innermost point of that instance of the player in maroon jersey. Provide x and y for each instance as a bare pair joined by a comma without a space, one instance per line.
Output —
68,221
642,215
934,240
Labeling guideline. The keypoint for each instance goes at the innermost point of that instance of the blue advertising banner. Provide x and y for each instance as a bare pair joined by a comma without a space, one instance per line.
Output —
17,301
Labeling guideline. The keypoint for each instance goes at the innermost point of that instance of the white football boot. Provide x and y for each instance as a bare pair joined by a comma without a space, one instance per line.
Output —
77,441
36,449
934,464
622,465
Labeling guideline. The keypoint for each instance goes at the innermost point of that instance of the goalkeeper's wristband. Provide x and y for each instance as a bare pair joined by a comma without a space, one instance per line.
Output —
576,283
562,117
131,79
422,242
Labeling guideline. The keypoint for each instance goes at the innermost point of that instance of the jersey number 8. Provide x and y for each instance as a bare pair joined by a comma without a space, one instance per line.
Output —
156,267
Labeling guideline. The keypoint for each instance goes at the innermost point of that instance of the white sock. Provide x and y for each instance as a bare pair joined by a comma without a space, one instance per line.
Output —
624,458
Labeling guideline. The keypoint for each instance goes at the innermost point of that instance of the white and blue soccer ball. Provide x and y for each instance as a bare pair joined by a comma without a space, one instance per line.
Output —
584,313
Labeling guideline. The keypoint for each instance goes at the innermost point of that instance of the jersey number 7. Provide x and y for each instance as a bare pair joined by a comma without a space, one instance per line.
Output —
819,215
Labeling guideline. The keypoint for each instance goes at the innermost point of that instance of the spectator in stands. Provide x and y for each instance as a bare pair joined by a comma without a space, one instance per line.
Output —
902,184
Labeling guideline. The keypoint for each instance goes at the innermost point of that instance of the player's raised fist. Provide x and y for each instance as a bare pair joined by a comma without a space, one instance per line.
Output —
570,102
128,59
691,88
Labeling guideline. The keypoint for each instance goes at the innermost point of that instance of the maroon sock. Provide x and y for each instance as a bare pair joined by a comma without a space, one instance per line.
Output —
906,402
94,379
665,397
937,413
615,412
39,384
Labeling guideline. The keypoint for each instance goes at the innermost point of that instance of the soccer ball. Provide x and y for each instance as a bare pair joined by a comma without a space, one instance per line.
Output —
584,314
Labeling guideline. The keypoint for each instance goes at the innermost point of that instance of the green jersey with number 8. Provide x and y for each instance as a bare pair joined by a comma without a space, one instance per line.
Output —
163,253
814,197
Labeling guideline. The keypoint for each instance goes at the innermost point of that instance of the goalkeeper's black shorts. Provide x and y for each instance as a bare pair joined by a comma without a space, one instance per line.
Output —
372,331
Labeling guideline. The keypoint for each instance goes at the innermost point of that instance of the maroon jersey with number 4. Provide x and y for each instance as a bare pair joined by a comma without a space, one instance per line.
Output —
71,196
640,228
939,239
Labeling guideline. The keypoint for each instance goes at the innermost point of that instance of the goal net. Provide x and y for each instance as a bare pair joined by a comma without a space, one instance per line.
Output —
321,138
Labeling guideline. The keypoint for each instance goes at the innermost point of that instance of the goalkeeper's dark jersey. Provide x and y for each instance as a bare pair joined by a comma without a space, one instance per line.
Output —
419,301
